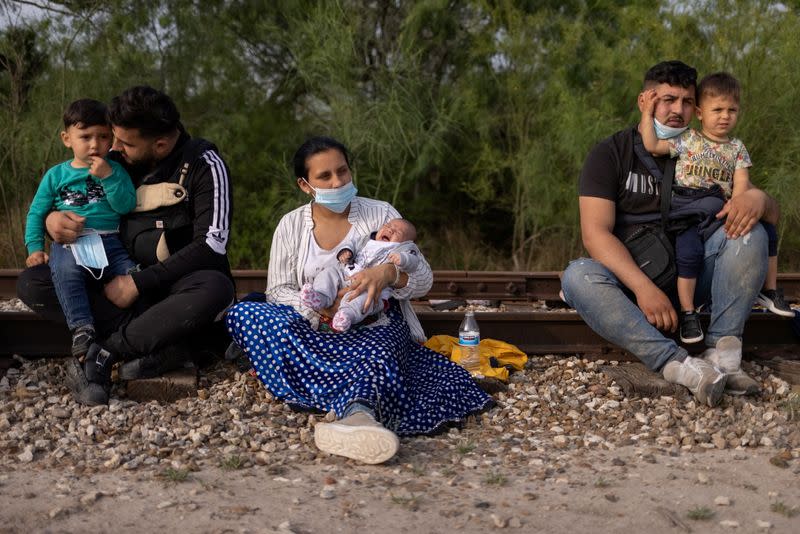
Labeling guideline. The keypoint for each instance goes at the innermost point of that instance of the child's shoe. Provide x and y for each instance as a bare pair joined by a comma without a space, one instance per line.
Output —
309,297
82,338
341,322
691,331
772,299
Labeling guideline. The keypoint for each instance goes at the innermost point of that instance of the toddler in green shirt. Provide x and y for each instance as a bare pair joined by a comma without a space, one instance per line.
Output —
93,187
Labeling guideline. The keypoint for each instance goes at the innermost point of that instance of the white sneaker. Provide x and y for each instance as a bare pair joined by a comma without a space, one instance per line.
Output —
705,381
728,357
357,436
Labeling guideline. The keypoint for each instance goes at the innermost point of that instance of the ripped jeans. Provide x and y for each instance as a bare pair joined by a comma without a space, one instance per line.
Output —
732,273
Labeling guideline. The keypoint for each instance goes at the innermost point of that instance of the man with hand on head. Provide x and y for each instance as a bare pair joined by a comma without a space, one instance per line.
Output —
612,293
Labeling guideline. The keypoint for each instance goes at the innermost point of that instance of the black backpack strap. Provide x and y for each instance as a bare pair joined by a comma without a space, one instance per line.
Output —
666,191
664,179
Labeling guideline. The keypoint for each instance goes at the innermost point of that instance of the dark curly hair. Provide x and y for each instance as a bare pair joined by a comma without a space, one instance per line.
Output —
672,72
719,84
149,110
84,113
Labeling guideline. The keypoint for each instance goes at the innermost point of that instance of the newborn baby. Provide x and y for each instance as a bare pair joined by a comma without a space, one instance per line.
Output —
392,243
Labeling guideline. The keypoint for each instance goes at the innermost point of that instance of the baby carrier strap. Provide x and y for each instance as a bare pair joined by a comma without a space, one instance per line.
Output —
161,222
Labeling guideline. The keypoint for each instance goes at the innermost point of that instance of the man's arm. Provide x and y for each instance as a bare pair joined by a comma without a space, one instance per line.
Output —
654,145
597,224
647,129
64,226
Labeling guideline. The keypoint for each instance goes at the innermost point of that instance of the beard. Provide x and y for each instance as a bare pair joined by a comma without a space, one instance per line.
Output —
143,165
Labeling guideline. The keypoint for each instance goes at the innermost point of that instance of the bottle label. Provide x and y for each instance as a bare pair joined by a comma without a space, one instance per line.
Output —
469,338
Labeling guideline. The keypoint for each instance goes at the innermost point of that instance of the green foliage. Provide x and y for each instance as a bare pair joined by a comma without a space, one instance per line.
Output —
175,476
465,447
791,405
496,479
700,513
779,507
473,118
232,463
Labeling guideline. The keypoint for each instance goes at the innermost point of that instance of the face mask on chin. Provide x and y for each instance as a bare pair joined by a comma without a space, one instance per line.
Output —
336,199
665,132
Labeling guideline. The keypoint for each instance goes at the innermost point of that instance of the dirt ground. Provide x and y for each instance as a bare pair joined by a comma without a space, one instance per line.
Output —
626,490
563,450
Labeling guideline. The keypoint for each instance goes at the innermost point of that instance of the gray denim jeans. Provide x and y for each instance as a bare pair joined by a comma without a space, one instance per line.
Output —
732,274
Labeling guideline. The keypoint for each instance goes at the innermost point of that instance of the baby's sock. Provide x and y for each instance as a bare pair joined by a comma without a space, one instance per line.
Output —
309,297
341,321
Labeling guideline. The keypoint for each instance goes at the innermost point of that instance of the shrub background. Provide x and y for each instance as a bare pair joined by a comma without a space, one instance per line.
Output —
472,117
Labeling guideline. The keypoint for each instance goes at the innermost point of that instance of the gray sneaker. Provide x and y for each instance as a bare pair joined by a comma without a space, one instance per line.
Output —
357,436
728,357
705,381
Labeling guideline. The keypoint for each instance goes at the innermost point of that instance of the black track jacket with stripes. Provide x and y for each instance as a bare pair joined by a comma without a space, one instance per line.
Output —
208,202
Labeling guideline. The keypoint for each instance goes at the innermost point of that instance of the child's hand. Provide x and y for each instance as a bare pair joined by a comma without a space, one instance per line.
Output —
37,258
99,167
394,257
650,100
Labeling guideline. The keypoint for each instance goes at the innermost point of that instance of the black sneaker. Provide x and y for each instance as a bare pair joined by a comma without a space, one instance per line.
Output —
237,355
82,339
772,299
90,382
691,331
164,360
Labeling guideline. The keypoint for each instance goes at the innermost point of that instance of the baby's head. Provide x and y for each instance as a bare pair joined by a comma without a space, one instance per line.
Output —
87,130
345,255
396,231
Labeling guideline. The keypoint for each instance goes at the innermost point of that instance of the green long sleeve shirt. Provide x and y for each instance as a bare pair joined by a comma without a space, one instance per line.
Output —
67,188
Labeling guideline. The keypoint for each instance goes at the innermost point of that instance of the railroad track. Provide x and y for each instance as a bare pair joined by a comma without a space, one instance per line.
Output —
525,322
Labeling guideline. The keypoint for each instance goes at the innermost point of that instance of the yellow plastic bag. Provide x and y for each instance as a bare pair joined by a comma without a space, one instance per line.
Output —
504,353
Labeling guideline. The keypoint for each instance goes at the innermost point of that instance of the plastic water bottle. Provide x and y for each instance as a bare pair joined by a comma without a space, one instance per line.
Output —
469,336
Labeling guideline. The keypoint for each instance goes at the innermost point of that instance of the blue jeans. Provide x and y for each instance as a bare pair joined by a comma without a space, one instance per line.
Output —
732,273
69,278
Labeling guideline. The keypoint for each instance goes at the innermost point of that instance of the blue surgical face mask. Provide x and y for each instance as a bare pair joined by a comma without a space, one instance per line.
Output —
90,253
665,132
336,199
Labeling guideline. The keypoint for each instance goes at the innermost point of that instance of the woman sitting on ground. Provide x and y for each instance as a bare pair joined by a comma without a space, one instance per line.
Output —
378,379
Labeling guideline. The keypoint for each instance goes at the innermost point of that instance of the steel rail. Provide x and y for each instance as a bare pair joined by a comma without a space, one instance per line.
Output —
534,332
488,285
525,325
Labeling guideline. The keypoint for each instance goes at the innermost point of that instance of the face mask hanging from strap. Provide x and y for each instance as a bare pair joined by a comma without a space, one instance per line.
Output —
89,253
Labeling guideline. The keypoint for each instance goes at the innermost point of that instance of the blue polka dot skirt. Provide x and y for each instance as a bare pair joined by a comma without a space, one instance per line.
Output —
412,389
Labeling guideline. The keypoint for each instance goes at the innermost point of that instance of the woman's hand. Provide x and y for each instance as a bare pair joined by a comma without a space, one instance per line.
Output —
373,281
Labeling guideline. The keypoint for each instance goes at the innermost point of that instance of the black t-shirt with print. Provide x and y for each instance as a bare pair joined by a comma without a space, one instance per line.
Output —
612,171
